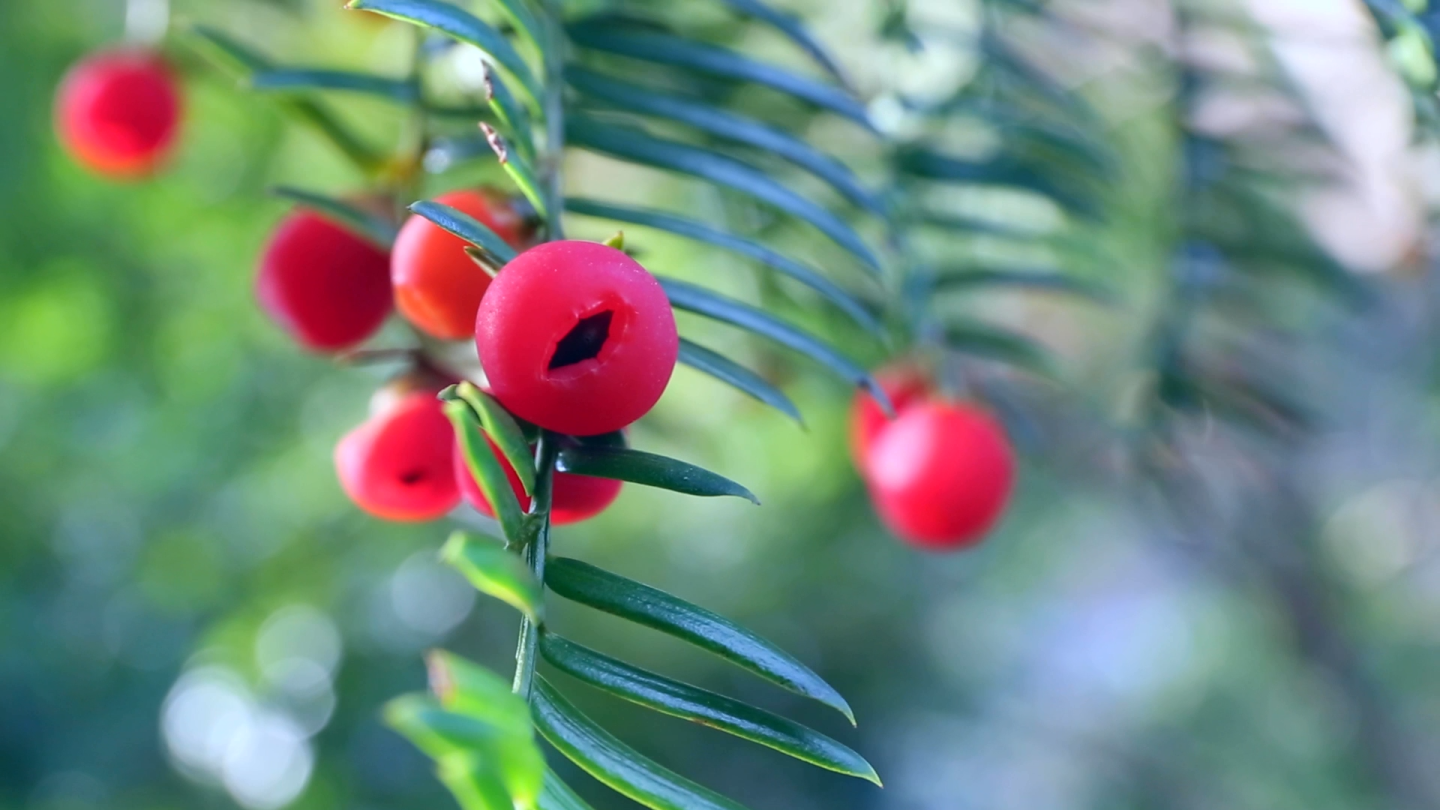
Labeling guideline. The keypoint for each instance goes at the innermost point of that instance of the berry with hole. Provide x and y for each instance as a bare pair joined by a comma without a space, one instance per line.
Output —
118,113
399,465
941,474
325,285
437,286
576,337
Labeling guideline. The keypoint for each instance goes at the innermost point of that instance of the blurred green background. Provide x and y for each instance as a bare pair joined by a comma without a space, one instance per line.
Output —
192,615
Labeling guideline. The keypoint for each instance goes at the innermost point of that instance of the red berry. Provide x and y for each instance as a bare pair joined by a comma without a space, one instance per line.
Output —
576,337
940,475
327,287
118,112
399,464
437,286
573,498
905,385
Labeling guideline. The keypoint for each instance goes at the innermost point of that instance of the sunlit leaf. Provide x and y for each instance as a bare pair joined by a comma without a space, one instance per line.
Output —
464,687
376,229
614,594
622,768
463,26
513,763
728,371
474,782
689,54
496,572
701,301
464,226
702,706
638,146
503,430
648,469
700,232
486,468
727,125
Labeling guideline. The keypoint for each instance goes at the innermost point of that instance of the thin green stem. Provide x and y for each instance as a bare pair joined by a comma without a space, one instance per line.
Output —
534,546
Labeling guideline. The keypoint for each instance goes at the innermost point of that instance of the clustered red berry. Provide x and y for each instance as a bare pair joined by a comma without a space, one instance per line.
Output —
437,286
118,113
326,286
941,472
399,465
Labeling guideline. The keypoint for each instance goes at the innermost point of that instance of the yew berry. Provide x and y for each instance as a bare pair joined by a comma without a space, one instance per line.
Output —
326,286
118,112
905,385
576,337
399,464
573,498
437,286
940,475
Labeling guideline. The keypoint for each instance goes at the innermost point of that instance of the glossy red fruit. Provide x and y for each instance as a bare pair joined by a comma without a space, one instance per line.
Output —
399,465
941,474
118,112
326,286
437,286
576,337
573,498
905,385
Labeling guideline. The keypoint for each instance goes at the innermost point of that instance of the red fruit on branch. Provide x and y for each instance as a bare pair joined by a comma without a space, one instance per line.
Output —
573,498
941,474
905,385
118,112
437,286
576,337
326,286
399,465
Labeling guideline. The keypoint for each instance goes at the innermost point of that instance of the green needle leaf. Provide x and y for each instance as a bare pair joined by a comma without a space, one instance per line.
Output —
243,62
518,169
377,230
648,469
603,756
701,232
503,430
293,80
556,795
637,146
486,469
496,572
464,226
689,54
728,371
509,112
997,171
475,783
728,125
1045,280
792,28
642,604
461,25
713,305
998,344
702,706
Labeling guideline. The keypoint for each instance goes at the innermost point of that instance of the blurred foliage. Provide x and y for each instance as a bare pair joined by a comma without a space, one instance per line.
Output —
171,524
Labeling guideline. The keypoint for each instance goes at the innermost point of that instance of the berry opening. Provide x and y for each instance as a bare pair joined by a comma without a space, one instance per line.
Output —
583,342
412,477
